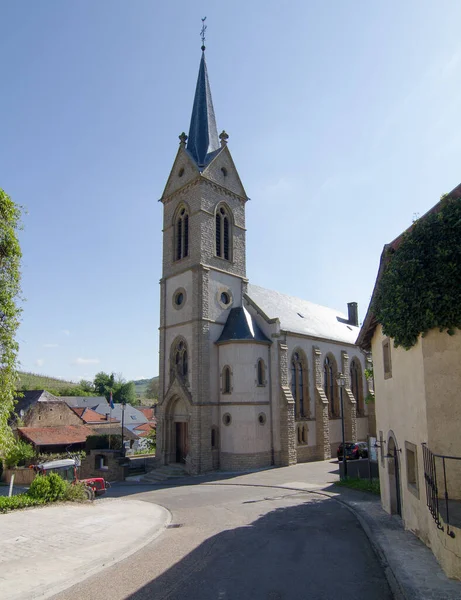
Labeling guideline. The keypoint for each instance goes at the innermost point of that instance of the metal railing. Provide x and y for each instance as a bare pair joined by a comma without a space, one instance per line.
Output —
438,501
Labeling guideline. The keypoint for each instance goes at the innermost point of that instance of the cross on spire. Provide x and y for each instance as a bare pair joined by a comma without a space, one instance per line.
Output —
202,33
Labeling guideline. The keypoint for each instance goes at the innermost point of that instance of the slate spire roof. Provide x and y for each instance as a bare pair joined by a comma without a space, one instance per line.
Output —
203,133
241,327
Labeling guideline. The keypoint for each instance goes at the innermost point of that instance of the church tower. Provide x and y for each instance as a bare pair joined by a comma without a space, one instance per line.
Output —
203,279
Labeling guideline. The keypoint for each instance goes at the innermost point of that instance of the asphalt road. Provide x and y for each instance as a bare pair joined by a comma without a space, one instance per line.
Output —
244,543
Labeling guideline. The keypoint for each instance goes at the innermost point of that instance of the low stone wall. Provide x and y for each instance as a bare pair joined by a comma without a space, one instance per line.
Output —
22,475
111,469
242,462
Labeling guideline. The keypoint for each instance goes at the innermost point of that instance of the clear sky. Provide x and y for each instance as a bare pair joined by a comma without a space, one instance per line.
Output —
344,122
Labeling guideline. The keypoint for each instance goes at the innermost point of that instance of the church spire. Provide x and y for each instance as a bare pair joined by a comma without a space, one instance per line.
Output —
203,133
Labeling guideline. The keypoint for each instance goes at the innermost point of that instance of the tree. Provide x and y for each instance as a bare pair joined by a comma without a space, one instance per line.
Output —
152,389
122,391
10,277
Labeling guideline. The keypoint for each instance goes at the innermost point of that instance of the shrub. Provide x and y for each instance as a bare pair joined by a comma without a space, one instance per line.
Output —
19,501
18,454
75,492
101,442
49,488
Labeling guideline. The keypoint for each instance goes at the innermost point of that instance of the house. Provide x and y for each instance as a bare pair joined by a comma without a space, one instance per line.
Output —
132,417
91,417
412,328
248,377
87,402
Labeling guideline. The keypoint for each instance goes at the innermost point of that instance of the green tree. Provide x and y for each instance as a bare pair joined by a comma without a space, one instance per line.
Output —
10,277
122,390
152,389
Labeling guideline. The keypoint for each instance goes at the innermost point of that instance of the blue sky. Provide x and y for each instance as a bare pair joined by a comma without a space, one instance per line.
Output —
343,120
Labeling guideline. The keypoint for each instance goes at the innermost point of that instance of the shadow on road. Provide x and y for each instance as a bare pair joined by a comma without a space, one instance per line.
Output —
315,549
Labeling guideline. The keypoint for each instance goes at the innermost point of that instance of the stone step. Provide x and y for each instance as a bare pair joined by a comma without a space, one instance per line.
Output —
164,473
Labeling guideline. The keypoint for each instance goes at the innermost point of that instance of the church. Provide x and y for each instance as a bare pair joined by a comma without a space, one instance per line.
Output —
248,376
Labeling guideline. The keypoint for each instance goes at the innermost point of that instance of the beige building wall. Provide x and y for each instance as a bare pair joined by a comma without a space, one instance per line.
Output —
418,404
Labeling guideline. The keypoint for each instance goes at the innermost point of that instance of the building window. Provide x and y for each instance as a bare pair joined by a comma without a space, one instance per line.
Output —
182,235
223,233
302,434
412,468
262,418
357,385
387,359
214,438
298,385
329,385
180,359
227,419
261,372
226,380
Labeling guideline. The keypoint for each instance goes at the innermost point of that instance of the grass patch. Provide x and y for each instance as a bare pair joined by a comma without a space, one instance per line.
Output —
364,485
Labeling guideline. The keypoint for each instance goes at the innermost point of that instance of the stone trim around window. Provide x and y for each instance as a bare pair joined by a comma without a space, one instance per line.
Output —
411,462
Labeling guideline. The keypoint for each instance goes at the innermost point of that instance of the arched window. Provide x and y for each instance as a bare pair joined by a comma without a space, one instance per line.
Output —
357,385
261,372
182,234
226,380
223,233
180,359
298,385
329,383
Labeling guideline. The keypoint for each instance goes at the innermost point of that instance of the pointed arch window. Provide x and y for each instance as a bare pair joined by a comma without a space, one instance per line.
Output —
226,380
182,234
329,383
298,385
223,233
357,385
180,359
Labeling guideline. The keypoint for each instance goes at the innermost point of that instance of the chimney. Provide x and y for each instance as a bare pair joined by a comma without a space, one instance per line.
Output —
107,416
353,313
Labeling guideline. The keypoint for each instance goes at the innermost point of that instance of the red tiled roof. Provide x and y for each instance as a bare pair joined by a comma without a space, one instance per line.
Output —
144,429
55,436
148,413
88,415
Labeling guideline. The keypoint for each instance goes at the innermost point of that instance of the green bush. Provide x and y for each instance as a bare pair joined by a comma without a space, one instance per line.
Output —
101,442
49,488
75,492
19,453
19,501
364,485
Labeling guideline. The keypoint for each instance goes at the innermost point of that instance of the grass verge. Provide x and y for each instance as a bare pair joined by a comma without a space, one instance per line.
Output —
364,485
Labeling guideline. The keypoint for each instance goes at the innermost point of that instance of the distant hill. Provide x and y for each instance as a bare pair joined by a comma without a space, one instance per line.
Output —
33,381
142,386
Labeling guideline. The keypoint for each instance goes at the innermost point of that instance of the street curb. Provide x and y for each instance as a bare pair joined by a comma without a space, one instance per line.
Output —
52,590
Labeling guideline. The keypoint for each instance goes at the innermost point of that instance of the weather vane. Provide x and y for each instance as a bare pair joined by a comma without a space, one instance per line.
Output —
202,33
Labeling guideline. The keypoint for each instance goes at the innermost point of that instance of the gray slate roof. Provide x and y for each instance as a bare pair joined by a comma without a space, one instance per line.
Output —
133,417
87,402
203,134
240,326
301,316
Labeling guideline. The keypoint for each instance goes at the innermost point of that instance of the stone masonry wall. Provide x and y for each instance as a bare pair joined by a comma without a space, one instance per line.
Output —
322,419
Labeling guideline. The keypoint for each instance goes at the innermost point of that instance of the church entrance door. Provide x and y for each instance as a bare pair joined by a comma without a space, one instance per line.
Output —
181,442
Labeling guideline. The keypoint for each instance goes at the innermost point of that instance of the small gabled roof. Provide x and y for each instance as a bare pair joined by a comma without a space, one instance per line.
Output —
303,317
241,327
88,415
132,415
203,134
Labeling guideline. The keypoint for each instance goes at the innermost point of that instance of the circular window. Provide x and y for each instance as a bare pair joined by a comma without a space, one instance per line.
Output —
225,298
262,418
181,172
227,419
179,298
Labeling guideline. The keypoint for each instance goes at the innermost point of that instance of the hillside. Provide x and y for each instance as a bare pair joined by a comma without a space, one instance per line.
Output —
142,385
33,381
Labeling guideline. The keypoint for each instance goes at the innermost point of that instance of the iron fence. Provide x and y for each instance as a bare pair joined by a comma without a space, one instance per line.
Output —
442,508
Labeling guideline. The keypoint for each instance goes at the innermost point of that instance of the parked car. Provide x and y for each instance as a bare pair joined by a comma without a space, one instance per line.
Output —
67,469
354,450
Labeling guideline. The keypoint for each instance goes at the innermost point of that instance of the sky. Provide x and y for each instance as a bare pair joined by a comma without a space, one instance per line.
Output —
344,125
